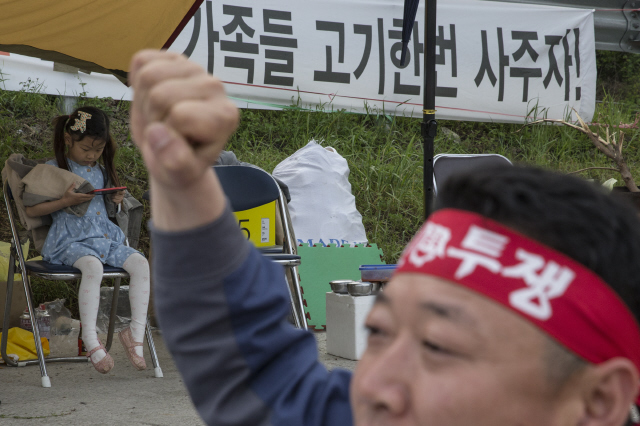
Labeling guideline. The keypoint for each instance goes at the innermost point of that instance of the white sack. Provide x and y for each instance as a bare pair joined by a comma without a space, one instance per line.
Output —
322,208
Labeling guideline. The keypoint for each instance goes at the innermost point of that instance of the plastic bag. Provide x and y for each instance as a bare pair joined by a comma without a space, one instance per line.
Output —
20,344
61,321
323,209
123,311
64,329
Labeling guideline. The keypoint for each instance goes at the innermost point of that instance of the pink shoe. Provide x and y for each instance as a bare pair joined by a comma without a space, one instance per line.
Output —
105,364
127,341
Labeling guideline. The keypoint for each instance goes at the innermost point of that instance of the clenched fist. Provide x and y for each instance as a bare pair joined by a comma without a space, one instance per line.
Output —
180,119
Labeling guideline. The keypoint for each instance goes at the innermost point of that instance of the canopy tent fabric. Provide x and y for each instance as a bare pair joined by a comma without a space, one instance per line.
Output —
98,36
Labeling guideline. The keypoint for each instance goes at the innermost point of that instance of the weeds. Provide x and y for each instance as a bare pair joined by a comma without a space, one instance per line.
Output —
384,155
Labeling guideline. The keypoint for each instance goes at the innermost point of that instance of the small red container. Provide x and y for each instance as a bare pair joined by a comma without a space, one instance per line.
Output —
82,351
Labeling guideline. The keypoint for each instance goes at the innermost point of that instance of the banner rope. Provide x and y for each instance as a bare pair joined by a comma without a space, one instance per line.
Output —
614,10
633,125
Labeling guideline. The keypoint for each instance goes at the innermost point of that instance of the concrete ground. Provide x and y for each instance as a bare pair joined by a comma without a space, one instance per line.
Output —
81,396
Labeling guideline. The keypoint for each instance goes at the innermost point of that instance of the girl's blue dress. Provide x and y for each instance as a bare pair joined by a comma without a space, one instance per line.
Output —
71,237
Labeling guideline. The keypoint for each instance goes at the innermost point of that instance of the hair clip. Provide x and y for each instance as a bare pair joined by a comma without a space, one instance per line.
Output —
81,123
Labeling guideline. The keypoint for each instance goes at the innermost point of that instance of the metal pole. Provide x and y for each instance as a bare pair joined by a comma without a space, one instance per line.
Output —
429,123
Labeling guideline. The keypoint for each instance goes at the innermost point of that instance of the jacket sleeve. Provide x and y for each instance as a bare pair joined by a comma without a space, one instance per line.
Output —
222,307
128,217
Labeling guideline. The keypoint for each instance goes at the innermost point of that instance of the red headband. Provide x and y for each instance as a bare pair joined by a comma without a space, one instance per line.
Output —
555,293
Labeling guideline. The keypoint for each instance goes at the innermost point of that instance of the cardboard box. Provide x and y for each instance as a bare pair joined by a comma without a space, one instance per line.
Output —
346,314
18,299
18,302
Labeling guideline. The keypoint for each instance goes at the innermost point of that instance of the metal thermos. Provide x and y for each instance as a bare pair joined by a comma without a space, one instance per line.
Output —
25,320
44,321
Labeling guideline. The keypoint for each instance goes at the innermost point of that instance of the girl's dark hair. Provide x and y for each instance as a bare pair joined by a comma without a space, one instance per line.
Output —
97,128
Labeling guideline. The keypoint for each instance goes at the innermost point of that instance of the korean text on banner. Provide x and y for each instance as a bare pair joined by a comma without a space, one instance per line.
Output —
495,61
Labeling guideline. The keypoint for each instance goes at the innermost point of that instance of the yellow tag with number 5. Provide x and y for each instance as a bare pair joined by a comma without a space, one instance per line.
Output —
259,224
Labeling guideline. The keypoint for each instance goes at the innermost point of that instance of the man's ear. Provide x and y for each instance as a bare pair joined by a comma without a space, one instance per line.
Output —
611,389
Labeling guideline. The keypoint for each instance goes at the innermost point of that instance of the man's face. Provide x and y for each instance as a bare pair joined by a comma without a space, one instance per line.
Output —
441,355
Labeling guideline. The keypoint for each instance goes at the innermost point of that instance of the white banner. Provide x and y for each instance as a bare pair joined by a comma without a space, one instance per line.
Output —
18,72
495,61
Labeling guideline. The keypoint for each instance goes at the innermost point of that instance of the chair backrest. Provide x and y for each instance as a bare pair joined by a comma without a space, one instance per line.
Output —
247,187
253,194
7,190
447,165
249,190
13,218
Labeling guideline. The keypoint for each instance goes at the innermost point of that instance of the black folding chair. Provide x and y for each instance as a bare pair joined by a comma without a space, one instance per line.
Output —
52,272
248,187
447,165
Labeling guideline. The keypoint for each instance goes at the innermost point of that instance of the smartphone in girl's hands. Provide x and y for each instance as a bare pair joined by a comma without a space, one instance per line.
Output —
108,190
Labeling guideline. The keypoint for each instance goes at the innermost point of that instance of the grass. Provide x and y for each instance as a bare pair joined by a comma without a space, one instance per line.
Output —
386,164
384,156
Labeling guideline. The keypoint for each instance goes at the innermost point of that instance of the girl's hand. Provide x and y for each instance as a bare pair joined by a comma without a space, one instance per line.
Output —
72,198
117,197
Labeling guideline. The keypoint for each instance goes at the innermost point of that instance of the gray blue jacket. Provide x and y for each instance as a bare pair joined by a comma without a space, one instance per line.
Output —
223,310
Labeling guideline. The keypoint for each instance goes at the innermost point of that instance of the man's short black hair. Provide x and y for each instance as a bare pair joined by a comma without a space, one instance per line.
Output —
571,215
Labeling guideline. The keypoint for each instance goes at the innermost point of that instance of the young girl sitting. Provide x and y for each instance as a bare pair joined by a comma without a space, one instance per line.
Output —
89,241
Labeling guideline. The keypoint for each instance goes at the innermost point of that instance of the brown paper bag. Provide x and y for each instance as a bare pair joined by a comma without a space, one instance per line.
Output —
18,302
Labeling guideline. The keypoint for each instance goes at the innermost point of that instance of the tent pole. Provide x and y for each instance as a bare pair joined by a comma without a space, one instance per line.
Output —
429,123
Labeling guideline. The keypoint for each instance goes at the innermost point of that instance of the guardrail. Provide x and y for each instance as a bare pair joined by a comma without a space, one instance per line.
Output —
617,22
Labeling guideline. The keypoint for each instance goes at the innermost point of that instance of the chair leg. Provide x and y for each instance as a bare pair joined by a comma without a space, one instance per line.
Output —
301,321
7,311
112,320
152,351
289,246
46,382
112,315
292,300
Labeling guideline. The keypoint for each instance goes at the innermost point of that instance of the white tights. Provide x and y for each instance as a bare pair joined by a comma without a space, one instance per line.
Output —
89,299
